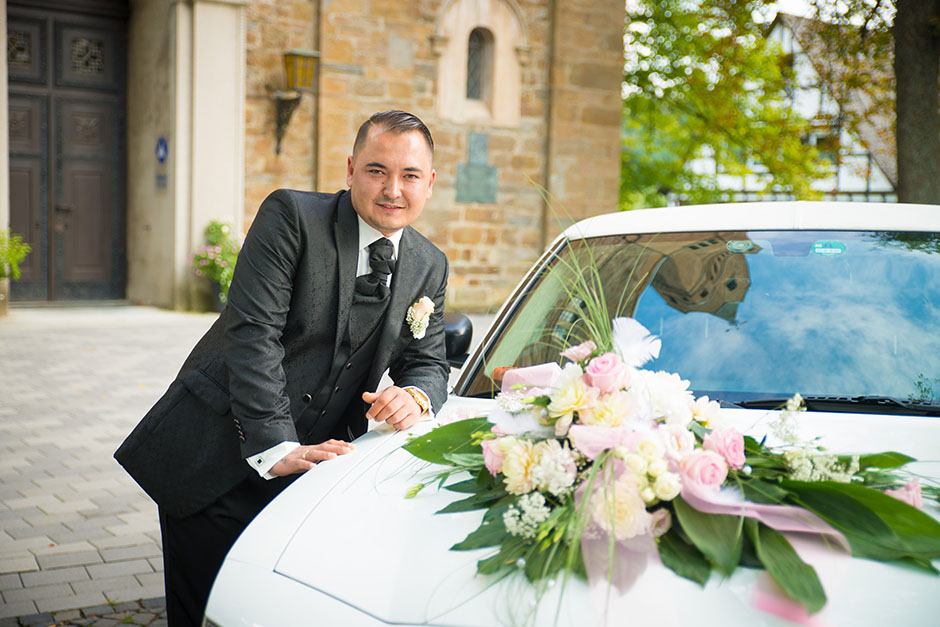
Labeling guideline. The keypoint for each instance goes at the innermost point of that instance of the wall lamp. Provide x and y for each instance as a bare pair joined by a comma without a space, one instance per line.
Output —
301,68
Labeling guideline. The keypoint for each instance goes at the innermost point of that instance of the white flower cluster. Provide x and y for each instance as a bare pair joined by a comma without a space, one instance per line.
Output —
809,465
419,316
512,401
650,470
523,518
555,469
784,427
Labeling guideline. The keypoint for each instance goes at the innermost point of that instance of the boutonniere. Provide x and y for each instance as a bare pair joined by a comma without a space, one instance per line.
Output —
419,315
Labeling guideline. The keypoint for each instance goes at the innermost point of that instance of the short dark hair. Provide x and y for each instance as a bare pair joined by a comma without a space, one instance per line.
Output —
394,121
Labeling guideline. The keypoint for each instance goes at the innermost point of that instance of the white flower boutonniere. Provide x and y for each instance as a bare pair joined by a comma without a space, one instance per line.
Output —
419,315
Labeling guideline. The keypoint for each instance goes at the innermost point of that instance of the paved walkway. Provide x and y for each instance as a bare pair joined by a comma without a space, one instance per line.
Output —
75,530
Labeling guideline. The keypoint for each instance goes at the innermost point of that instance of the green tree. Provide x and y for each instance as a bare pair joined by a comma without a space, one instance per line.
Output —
702,78
909,32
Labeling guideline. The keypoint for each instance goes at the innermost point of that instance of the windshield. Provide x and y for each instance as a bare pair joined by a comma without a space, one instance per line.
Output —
749,315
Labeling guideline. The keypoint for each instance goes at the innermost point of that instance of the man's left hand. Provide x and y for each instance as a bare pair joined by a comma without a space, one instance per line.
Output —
394,406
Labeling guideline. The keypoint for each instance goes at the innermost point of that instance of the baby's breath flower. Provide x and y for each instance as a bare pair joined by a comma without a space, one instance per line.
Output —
523,518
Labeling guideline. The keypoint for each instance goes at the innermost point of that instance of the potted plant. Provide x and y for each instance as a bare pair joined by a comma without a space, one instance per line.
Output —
12,251
216,259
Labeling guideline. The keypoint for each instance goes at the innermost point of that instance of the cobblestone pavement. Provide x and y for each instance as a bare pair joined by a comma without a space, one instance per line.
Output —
75,530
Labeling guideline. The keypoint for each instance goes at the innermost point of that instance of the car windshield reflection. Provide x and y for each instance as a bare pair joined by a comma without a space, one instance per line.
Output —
750,315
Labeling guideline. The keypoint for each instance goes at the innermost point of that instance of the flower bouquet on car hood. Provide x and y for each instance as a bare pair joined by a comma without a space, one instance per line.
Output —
594,466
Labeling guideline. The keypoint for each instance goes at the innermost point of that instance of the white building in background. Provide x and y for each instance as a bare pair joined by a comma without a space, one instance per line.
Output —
863,158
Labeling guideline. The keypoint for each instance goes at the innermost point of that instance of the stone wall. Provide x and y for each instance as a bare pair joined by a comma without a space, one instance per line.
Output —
272,27
383,54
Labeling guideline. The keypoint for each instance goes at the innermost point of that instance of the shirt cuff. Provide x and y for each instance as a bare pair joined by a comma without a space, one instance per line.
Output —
265,460
421,398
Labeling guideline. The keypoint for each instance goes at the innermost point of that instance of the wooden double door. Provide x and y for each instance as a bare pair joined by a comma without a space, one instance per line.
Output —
67,137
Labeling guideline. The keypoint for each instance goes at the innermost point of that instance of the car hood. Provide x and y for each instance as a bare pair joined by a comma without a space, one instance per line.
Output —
346,530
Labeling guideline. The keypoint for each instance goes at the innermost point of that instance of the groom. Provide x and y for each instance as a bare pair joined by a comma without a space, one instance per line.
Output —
287,376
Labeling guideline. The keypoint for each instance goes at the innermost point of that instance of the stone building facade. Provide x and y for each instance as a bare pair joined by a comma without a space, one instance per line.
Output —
522,96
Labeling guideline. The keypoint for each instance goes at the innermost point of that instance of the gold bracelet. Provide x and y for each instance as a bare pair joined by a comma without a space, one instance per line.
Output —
419,399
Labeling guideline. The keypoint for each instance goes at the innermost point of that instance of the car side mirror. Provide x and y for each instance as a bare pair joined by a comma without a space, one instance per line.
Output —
458,331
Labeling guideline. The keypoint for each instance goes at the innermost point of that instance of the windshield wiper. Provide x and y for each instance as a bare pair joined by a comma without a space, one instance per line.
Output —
852,404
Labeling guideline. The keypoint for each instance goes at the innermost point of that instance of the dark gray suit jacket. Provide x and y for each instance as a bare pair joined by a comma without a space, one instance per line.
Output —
247,381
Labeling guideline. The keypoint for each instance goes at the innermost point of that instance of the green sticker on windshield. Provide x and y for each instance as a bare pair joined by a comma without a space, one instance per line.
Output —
740,245
828,248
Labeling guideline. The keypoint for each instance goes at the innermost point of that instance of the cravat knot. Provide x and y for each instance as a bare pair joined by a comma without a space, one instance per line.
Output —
374,286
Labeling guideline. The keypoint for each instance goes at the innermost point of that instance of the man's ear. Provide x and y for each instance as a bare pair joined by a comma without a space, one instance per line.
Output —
431,182
349,170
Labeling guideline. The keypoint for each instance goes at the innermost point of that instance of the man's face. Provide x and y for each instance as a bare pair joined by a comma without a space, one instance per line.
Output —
390,179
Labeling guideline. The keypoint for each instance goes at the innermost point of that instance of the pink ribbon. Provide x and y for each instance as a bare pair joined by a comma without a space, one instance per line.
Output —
542,377
779,517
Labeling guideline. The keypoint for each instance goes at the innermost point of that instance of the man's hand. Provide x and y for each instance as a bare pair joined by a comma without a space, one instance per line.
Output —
394,406
303,458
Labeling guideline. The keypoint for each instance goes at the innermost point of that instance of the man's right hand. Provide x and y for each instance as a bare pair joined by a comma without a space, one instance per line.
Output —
303,458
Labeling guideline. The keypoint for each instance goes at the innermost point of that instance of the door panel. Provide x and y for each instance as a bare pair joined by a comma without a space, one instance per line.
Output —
28,133
67,152
88,175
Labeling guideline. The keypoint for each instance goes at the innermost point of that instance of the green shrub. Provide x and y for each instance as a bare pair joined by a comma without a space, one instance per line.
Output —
12,251
216,258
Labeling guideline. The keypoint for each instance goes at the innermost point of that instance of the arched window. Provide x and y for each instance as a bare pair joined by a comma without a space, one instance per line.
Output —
479,64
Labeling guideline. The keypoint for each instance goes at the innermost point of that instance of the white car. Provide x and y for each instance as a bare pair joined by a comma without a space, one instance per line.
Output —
753,303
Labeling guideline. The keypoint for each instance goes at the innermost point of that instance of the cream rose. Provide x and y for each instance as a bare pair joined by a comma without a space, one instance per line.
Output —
619,510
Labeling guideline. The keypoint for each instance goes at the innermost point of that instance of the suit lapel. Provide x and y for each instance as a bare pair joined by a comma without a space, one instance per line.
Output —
346,231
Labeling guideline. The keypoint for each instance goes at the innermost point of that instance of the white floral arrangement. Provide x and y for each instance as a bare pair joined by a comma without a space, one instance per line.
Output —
419,316
600,449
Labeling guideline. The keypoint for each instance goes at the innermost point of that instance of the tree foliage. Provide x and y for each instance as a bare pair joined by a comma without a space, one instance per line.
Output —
701,78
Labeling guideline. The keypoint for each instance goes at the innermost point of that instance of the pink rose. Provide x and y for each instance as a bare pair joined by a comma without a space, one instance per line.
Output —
728,443
580,352
909,493
423,307
605,372
705,468
492,456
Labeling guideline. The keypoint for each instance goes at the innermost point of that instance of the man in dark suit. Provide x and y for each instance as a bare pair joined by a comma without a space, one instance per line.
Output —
287,376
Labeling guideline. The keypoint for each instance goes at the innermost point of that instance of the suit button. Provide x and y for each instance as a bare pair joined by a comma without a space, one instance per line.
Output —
307,398
323,413
336,391
348,365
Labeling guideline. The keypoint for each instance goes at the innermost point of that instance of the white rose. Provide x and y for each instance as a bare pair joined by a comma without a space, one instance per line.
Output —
667,486
650,448
657,467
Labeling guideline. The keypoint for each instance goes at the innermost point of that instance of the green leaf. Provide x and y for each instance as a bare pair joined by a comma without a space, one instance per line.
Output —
877,525
491,531
717,536
452,438
476,501
470,486
464,459
797,578
889,459
760,491
683,558
509,553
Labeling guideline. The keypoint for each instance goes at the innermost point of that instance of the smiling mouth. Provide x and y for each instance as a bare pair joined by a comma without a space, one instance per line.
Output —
389,207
